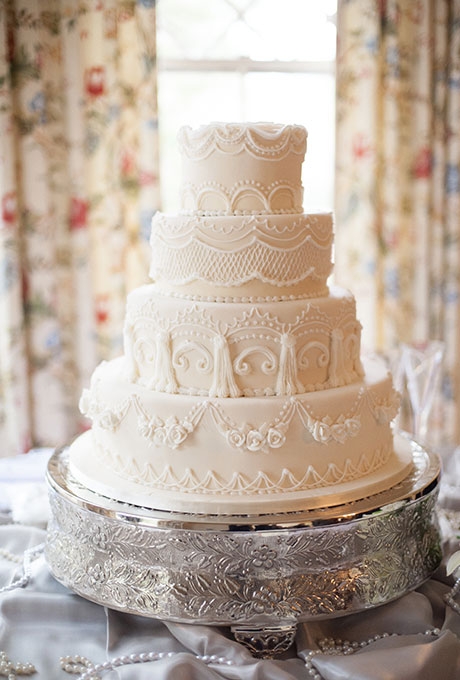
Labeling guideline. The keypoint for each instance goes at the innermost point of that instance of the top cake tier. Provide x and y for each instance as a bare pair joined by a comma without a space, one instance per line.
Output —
242,168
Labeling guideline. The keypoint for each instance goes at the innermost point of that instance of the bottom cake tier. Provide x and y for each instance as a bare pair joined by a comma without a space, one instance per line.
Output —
239,455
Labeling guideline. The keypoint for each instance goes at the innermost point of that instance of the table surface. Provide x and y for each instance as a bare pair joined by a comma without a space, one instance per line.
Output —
64,636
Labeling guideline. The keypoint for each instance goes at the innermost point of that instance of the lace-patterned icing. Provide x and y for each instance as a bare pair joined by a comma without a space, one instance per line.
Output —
240,483
233,251
260,140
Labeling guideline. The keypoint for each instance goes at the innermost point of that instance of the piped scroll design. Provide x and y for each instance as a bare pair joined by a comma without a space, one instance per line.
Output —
235,234
255,354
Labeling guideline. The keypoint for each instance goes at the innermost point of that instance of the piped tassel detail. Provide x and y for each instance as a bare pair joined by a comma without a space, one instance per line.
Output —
287,381
163,378
223,384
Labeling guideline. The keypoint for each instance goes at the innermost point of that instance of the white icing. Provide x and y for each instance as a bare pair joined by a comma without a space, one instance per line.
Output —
334,430
232,349
263,140
241,387
239,483
231,252
243,198
239,493
242,169
152,427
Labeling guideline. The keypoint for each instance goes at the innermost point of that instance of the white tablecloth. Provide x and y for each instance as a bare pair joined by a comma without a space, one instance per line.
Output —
42,621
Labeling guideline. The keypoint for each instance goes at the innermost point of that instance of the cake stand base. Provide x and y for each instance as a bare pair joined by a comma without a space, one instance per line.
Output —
260,575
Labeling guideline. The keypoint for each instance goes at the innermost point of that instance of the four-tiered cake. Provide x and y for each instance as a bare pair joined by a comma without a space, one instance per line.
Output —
241,389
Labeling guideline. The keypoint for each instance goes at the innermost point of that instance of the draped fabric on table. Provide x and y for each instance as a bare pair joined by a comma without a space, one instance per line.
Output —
78,187
398,179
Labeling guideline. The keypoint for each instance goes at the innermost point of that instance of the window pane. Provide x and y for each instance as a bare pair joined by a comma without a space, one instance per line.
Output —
266,30
188,29
294,30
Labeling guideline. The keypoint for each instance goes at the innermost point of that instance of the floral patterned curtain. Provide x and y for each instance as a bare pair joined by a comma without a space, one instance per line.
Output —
398,176
78,187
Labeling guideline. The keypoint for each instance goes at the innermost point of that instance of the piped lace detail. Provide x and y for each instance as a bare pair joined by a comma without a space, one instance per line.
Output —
241,484
231,255
268,141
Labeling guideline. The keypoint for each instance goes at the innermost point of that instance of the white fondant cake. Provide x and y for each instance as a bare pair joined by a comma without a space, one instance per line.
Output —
241,388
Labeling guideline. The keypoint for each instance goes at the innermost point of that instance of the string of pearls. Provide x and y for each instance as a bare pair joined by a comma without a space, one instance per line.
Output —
10,557
327,647
331,647
89,671
11,670
449,598
86,670
26,559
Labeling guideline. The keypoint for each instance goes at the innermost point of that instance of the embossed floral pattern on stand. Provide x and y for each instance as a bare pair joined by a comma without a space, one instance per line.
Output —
240,576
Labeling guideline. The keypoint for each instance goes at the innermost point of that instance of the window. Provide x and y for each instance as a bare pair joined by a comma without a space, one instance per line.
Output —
235,60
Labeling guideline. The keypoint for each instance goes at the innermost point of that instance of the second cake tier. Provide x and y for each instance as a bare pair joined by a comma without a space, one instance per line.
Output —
239,348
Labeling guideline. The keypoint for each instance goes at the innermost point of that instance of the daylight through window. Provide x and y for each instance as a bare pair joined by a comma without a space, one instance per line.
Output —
236,60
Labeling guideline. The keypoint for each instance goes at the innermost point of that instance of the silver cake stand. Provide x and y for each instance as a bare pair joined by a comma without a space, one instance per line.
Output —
260,575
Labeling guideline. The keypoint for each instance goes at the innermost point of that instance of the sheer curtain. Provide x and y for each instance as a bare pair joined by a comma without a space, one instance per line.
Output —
78,187
398,176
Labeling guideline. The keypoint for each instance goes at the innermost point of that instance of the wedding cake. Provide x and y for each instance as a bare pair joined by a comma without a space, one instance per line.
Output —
242,388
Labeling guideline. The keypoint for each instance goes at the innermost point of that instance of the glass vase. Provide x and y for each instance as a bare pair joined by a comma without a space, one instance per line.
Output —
419,372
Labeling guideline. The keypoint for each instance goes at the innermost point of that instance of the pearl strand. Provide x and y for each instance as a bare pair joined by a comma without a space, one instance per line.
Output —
449,598
331,647
89,671
11,670
9,556
27,558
